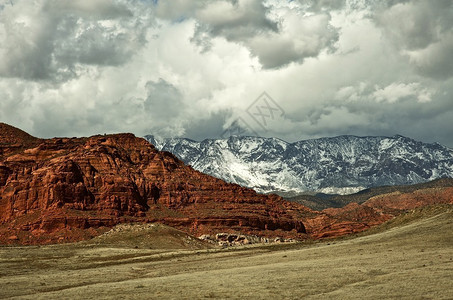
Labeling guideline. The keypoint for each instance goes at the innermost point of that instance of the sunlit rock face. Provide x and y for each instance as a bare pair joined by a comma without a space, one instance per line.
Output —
49,187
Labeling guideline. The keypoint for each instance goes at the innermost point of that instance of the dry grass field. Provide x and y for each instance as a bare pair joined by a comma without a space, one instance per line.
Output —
408,258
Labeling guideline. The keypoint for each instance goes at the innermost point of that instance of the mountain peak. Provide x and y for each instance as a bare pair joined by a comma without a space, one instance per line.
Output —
10,135
401,137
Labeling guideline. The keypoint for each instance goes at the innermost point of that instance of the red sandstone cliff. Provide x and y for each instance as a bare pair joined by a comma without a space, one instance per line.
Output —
67,188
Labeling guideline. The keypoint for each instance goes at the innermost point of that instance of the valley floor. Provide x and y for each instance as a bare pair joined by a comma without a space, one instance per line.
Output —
411,261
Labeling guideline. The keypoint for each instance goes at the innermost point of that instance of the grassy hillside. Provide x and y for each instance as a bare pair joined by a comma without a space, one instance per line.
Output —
323,201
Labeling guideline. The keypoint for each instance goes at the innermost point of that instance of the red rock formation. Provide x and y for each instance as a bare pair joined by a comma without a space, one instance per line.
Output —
52,189
394,203
349,219
378,209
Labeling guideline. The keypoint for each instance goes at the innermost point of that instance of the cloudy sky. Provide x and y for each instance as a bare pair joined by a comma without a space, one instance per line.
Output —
199,68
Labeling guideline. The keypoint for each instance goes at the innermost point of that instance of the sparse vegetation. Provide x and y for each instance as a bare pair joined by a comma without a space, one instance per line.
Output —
320,202
410,257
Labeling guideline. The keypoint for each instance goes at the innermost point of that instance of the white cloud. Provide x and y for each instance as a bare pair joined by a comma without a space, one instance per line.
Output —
399,91
423,31
391,93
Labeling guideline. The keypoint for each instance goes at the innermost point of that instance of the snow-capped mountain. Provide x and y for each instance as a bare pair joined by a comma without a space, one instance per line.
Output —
342,164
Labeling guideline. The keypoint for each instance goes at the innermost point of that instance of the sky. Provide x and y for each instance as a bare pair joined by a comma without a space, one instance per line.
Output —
207,69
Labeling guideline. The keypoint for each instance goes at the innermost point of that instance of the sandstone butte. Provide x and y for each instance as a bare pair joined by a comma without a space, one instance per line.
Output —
70,189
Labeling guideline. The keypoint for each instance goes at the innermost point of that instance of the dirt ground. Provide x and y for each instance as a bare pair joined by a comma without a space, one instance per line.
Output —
411,261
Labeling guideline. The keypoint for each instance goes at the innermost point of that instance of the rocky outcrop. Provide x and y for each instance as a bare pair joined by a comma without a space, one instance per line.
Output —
224,239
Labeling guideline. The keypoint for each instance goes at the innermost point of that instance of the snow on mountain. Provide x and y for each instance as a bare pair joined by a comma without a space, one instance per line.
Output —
342,164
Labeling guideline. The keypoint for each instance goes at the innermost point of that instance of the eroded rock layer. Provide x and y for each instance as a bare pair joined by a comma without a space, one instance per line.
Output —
70,188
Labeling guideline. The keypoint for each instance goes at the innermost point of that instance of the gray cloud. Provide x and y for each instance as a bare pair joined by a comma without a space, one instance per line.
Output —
208,126
423,31
177,9
99,9
49,40
319,5
163,101
435,60
304,37
236,20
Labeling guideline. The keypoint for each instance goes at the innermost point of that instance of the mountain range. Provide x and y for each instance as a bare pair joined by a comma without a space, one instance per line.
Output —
335,165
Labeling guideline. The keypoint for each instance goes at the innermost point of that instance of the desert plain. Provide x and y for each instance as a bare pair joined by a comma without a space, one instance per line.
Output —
410,257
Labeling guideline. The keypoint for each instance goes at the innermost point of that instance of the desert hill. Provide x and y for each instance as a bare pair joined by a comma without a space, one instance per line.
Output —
323,201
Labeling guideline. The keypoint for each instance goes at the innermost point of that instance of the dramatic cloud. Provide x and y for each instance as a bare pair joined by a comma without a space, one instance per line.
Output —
423,31
390,94
47,40
199,68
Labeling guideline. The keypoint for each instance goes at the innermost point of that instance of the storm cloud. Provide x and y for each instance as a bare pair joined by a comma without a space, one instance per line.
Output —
194,68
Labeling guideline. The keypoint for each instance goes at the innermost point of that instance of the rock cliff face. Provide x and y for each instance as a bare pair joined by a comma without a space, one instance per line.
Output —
66,188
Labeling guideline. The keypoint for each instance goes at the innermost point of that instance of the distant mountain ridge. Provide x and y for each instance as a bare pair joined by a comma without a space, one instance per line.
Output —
342,164
322,201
